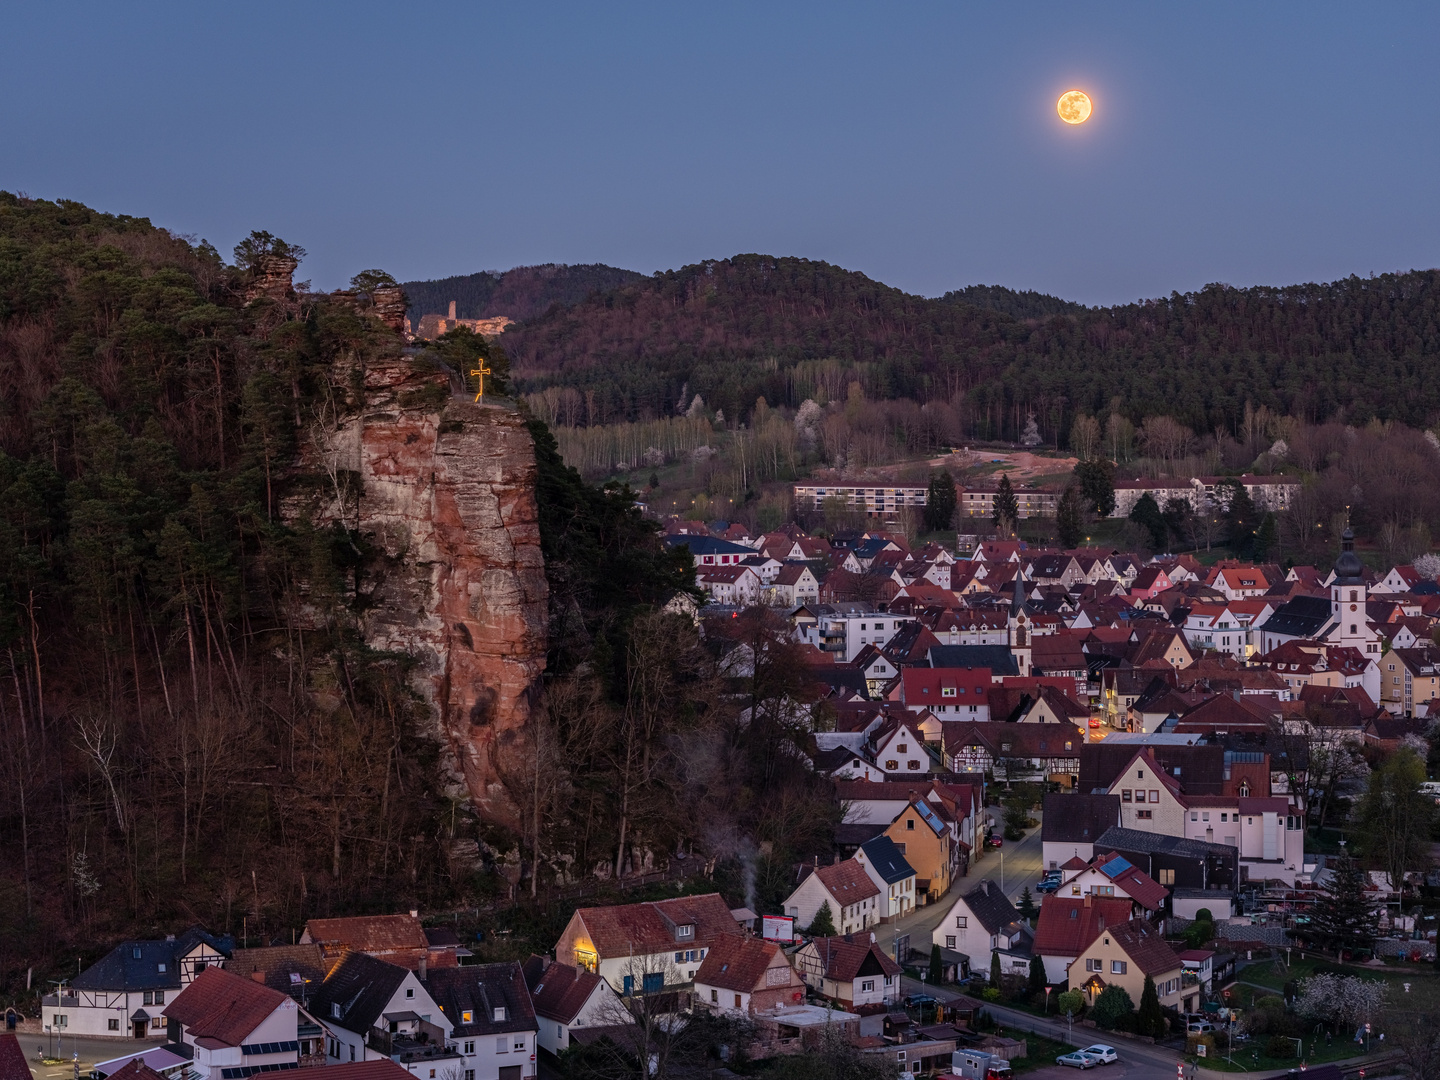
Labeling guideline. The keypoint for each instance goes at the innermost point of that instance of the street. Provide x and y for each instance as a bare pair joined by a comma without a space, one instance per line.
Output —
91,1050
1013,866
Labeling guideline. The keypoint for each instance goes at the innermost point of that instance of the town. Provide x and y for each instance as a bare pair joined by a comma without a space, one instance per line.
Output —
1074,786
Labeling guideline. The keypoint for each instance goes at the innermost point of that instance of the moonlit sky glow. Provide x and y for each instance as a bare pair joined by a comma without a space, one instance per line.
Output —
917,143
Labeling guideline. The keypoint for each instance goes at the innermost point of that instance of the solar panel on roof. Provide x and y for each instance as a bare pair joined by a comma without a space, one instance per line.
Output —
1115,867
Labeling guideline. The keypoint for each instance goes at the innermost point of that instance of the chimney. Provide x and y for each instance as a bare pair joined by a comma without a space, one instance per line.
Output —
452,310
424,963
1087,899
415,912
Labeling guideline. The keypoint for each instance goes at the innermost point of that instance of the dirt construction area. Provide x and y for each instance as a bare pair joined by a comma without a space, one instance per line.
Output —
1020,464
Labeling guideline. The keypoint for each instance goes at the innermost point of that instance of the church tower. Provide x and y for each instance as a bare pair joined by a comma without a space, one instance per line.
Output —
1021,623
1348,593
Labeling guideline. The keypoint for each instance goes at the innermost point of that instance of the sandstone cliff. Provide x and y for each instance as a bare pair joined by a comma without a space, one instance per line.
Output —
443,489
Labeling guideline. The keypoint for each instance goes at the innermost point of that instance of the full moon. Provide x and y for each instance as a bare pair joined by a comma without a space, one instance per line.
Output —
1073,107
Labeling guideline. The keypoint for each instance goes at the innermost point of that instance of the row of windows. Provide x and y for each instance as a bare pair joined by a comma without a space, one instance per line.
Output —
1125,794
1117,967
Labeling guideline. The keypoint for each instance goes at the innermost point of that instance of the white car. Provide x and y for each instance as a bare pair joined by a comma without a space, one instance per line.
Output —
1079,1059
1102,1053
1199,1027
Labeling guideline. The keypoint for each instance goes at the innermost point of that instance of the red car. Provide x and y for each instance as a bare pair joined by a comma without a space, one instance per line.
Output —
994,841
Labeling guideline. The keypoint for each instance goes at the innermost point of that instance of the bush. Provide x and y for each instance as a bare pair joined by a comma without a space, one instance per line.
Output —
991,993
1071,1001
1110,1006
1193,1041
1203,915
1198,933
1278,1046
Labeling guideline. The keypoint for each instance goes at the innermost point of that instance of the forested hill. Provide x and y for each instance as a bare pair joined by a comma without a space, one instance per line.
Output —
521,293
1025,304
735,329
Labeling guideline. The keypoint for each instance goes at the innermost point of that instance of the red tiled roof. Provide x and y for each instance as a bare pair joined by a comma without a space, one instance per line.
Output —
1068,924
845,957
642,928
558,990
847,882
369,933
135,1069
737,964
224,1007
384,1069
1136,883
1144,945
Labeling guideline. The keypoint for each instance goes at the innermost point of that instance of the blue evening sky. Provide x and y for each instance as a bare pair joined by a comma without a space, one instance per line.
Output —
916,142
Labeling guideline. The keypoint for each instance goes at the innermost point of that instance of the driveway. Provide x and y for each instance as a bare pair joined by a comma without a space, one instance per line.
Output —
92,1051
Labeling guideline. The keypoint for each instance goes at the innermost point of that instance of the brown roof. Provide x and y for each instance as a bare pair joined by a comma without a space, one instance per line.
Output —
383,1069
649,927
221,1006
737,963
1137,884
12,1059
1144,945
375,934
1068,924
558,990
276,963
847,882
846,957
134,1069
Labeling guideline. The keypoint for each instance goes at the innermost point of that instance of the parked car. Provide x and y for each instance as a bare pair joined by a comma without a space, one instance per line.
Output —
1049,883
1199,1027
919,1001
1102,1053
1077,1059
994,840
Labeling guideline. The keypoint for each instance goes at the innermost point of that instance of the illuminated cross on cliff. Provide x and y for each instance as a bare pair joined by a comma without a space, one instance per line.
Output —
480,373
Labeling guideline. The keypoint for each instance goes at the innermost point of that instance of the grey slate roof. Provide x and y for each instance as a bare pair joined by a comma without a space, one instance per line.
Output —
988,904
362,986
708,545
1300,616
998,658
1116,838
885,857
478,990
1078,818
122,969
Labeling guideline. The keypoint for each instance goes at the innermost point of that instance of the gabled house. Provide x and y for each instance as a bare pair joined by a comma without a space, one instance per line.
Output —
892,875
123,993
1123,956
793,584
928,844
1150,798
569,999
645,947
898,747
854,898
233,1027
291,969
983,922
1066,927
494,1026
852,971
744,976
732,586
950,693
374,1009
1112,875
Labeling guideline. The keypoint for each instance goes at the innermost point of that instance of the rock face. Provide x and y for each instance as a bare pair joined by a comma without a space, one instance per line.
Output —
447,499
272,276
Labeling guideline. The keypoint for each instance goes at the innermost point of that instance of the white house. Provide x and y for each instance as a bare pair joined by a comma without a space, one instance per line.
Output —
854,898
982,922
643,948
744,976
569,999
123,993
373,1009
852,970
734,586
793,584
234,1027
494,1023
892,875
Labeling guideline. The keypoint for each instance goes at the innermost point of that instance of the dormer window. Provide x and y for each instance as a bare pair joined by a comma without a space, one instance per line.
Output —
135,952
685,930
468,1017
498,1014
160,968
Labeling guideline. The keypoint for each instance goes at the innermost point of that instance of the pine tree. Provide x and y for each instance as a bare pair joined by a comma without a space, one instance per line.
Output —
1097,484
937,967
940,502
1070,517
1037,976
1342,917
1266,538
1146,514
1007,508
995,969
1152,1016
823,925
1026,906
